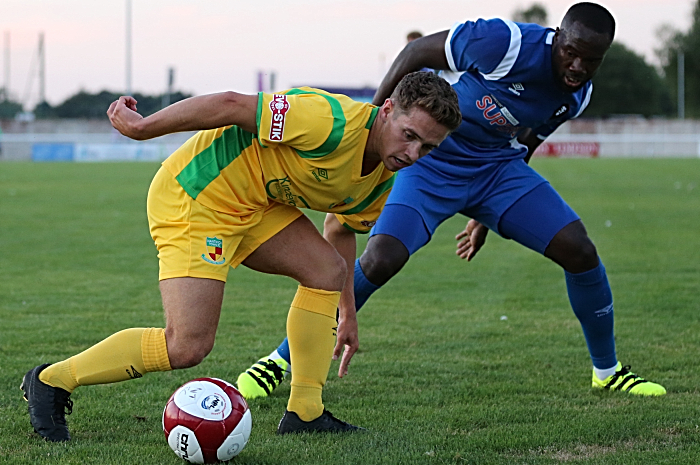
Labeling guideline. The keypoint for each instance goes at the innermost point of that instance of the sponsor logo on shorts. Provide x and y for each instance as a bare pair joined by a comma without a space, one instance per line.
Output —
215,250
279,106
368,224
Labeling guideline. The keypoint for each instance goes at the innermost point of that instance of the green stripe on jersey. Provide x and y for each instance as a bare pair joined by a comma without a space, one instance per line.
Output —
337,132
372,117
258,116
351,229
207,164
374,195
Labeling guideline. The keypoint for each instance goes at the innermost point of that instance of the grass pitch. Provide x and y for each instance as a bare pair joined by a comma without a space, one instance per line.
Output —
465,363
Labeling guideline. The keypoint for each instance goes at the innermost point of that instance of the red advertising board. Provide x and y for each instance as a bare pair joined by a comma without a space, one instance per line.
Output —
568,149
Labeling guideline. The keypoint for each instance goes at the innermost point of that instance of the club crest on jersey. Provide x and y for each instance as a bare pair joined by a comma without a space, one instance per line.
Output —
279,106
215,250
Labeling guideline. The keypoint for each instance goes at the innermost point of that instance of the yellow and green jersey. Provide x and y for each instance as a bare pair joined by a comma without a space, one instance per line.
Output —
307,153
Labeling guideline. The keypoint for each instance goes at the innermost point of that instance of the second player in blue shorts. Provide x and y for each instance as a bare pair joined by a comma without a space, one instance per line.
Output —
516,84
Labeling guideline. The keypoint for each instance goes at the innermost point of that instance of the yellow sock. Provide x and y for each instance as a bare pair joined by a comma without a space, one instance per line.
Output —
311,329
124,355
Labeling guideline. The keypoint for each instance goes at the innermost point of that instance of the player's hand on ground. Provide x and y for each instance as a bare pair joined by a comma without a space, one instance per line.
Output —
122,114
347,339
471,239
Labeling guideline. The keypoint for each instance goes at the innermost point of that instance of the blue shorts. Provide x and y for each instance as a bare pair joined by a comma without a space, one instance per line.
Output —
510,198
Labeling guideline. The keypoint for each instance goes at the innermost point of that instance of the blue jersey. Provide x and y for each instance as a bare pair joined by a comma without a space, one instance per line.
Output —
506,85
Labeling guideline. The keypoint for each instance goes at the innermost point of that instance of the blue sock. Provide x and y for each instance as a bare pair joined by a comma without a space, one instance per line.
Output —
363,289
591,300
283,350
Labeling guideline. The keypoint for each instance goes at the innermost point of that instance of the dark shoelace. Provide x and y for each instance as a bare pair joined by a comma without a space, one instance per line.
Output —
275,369
626,376
269,366
63,405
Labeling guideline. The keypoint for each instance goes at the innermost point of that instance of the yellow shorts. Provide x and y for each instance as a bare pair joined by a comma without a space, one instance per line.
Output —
196,241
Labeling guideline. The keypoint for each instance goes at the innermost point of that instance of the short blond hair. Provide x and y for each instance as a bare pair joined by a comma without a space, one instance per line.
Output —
430,93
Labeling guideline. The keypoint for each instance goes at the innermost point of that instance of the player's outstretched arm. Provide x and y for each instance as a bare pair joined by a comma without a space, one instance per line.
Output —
471,239
345,243
426,52
192,114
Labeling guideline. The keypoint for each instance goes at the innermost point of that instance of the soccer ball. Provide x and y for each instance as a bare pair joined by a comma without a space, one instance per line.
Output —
206,421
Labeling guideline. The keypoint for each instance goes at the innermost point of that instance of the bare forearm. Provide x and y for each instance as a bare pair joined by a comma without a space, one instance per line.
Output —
192,114
426,52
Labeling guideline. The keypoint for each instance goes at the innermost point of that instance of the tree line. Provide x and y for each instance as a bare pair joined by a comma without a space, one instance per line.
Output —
626,83
91,106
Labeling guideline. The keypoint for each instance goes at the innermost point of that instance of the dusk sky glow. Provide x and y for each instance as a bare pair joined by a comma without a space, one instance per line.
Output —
218,45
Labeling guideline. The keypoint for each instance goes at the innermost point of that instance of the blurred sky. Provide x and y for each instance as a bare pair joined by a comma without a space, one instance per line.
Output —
217,45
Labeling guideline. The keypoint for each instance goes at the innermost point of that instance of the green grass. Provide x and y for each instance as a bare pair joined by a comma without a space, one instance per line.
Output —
440,376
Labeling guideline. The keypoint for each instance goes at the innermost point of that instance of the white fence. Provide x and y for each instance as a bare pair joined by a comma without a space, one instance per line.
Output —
75,140
623,145
91,147
631,137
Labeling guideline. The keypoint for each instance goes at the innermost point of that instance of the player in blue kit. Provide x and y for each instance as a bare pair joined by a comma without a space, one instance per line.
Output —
516,84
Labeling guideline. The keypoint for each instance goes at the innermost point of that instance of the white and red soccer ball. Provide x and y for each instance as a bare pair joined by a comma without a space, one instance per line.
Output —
206,421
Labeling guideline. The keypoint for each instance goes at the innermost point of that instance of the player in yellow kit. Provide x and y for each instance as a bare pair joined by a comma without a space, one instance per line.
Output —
231,195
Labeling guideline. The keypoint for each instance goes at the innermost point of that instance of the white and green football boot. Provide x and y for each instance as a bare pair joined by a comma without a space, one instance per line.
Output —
625,380
262,377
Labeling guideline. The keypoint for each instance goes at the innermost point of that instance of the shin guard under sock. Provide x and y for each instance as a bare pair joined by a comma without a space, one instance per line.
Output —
127,354
363,290
591,300
311,329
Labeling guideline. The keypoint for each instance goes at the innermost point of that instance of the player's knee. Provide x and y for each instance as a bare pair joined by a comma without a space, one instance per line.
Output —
586,255
327,273
383,258
576,255
187,352
379,268
335,274
188,358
